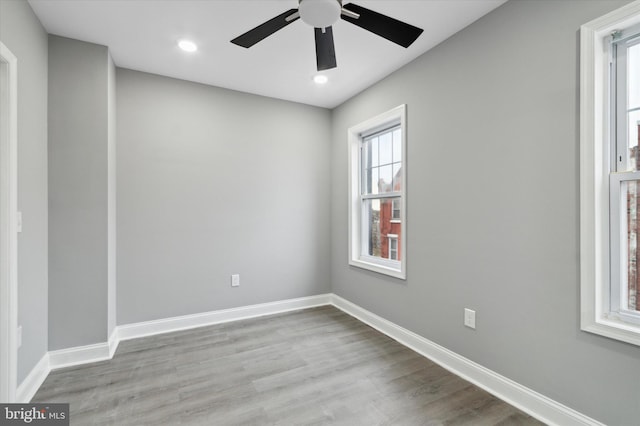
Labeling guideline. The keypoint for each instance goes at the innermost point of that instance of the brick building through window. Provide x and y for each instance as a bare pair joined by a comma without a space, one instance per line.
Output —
633,211
390,223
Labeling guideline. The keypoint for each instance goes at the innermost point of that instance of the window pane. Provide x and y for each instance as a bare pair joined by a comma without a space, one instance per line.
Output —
379,215
370,153
397,177
373,247
632,98
372,179
397,146
633,136
632,192
382,162
385,184
374,152
633,61
386,148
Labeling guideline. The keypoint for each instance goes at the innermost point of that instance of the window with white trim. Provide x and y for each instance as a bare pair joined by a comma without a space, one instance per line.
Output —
610,174
377,222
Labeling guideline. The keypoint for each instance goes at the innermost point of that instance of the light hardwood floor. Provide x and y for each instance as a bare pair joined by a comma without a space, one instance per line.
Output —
309,367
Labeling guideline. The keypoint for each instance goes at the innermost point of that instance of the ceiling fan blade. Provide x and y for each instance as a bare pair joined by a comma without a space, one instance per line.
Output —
263,31
393,30
325,49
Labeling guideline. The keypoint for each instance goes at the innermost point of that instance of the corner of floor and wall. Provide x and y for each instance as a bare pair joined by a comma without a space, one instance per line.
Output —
212,182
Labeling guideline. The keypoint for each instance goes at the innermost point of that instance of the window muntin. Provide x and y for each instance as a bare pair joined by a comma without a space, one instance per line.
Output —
377,169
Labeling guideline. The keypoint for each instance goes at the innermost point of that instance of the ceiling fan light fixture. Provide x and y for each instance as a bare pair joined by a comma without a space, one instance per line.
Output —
320,13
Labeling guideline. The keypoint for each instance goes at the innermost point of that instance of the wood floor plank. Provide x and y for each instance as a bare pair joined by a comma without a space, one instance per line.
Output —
310,367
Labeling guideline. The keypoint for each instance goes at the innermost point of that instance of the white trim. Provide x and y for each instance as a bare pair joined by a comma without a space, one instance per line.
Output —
594,166
355,134
527,400
105,351
79,355
34,380
114,341
9,236
167,325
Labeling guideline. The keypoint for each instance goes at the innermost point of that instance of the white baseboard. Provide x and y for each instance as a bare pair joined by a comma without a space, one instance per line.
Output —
33,381
527,400
79,355
150,328
114,340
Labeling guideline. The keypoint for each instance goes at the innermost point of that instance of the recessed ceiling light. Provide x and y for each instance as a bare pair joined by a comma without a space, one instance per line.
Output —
187,45
320,79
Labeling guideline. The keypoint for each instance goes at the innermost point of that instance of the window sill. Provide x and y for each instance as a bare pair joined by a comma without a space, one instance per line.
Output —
613,329
388,267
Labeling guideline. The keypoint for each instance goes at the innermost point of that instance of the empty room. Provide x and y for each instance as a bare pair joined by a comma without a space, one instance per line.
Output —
296,212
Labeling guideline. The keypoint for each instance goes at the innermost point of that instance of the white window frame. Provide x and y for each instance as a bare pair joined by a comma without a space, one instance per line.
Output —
596,315
393,268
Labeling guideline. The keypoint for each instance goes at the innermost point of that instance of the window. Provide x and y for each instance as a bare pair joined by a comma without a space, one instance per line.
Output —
624,177
395,209
610,174
393,247
377,174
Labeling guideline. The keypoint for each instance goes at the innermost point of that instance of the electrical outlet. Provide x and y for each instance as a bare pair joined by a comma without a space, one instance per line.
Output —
19,222
19,337
235,280
470,318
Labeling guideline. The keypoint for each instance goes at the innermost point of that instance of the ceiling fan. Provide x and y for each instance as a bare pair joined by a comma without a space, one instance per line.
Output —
321,15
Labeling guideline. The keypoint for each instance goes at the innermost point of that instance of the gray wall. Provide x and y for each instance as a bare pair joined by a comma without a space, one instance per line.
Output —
493,179
78,192
22,33
213,182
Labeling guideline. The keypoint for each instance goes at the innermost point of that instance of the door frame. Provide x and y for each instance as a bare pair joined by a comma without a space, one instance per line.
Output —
9,228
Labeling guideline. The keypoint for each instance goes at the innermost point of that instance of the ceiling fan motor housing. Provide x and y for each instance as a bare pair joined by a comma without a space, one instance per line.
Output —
320,13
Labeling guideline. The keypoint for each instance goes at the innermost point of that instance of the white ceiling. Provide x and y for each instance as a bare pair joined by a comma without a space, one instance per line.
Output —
142,35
